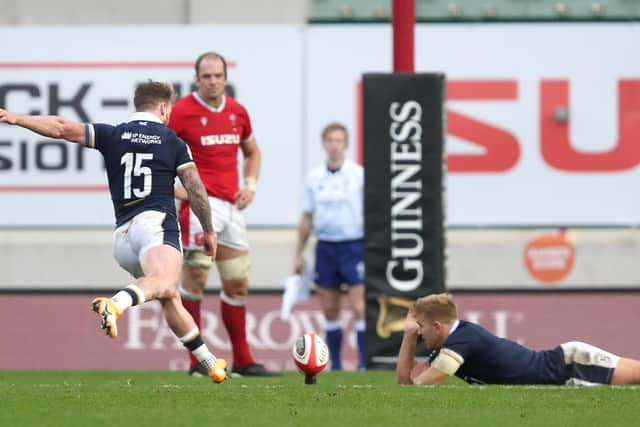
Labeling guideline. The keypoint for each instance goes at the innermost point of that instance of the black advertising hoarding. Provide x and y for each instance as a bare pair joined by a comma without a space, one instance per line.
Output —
404,202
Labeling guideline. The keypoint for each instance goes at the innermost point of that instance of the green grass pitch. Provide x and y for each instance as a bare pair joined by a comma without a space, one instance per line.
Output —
115,399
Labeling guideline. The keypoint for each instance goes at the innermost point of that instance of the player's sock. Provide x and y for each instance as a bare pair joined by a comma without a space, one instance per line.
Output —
193,342
333,328
128,297
360,327
192,304
234,317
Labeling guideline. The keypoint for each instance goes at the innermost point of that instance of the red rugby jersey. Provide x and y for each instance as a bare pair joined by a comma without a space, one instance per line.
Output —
214,136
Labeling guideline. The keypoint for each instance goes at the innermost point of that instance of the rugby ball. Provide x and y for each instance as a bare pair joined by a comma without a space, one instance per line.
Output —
310,353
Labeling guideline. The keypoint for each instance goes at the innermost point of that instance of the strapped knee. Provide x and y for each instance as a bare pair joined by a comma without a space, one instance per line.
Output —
234,268
197,259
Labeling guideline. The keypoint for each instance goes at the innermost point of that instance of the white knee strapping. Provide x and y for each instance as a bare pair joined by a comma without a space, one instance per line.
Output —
586,354
198,259
234,268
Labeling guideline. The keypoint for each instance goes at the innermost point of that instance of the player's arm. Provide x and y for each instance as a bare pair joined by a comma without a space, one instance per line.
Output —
443,366
406,355
251,169
199,203
430,376
304,231
49,126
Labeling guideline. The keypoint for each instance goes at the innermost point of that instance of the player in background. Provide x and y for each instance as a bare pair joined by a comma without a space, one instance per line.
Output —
142,158
216,126
470,352
332,205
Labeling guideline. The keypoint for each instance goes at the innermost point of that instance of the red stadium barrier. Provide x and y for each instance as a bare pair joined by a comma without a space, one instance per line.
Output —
60,332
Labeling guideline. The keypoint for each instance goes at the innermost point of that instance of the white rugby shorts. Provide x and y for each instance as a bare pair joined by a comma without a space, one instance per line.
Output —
144,231
228,222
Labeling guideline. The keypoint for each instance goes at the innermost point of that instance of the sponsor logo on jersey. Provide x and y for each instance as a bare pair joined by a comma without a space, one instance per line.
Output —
203,120
227,138
140,138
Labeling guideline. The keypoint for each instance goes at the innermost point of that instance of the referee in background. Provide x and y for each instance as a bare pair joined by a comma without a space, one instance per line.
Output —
332,206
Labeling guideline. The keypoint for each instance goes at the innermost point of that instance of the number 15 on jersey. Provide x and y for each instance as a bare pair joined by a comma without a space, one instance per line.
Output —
133,167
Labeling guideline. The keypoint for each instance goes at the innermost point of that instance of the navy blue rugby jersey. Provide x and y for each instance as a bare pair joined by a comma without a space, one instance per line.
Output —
487,359
142,158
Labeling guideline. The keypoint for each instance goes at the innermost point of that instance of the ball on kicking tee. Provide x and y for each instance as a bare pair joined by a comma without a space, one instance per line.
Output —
310,353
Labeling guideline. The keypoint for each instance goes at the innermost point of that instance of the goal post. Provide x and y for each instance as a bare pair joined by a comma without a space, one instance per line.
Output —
403,129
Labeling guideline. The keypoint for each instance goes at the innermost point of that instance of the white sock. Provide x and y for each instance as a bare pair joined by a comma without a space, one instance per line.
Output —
204,356
201,352
123,299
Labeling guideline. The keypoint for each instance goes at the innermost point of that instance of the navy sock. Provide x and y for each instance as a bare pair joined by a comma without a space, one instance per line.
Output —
334,341
362,359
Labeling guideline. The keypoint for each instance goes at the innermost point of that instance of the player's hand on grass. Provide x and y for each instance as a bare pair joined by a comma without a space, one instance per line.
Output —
210,244
7,117
243,198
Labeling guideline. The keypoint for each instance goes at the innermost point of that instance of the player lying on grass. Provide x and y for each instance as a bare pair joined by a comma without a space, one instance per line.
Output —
142,158
470,352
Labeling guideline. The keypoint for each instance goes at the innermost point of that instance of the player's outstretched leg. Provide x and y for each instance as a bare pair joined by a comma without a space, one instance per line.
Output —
110,309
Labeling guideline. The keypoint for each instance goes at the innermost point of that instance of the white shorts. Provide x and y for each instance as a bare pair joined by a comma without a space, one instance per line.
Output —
228,222
144,231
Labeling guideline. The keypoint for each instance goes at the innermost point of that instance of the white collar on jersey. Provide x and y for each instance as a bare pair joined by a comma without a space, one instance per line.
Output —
144,116
209,106
454,327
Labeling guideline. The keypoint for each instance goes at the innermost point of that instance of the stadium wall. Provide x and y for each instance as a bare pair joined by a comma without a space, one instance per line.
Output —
478,260
69,335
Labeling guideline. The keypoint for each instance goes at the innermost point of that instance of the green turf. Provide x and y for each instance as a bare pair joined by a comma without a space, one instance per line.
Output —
84,398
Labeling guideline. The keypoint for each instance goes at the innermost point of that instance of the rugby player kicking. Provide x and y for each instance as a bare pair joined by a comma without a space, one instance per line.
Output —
142,158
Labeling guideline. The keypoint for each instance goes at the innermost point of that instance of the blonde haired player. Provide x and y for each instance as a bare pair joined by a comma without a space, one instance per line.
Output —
142,158
470,352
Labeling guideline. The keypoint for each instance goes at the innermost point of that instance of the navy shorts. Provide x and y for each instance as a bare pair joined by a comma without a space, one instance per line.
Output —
338,263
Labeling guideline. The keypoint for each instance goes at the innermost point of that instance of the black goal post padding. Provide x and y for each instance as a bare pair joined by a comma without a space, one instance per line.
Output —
403,143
